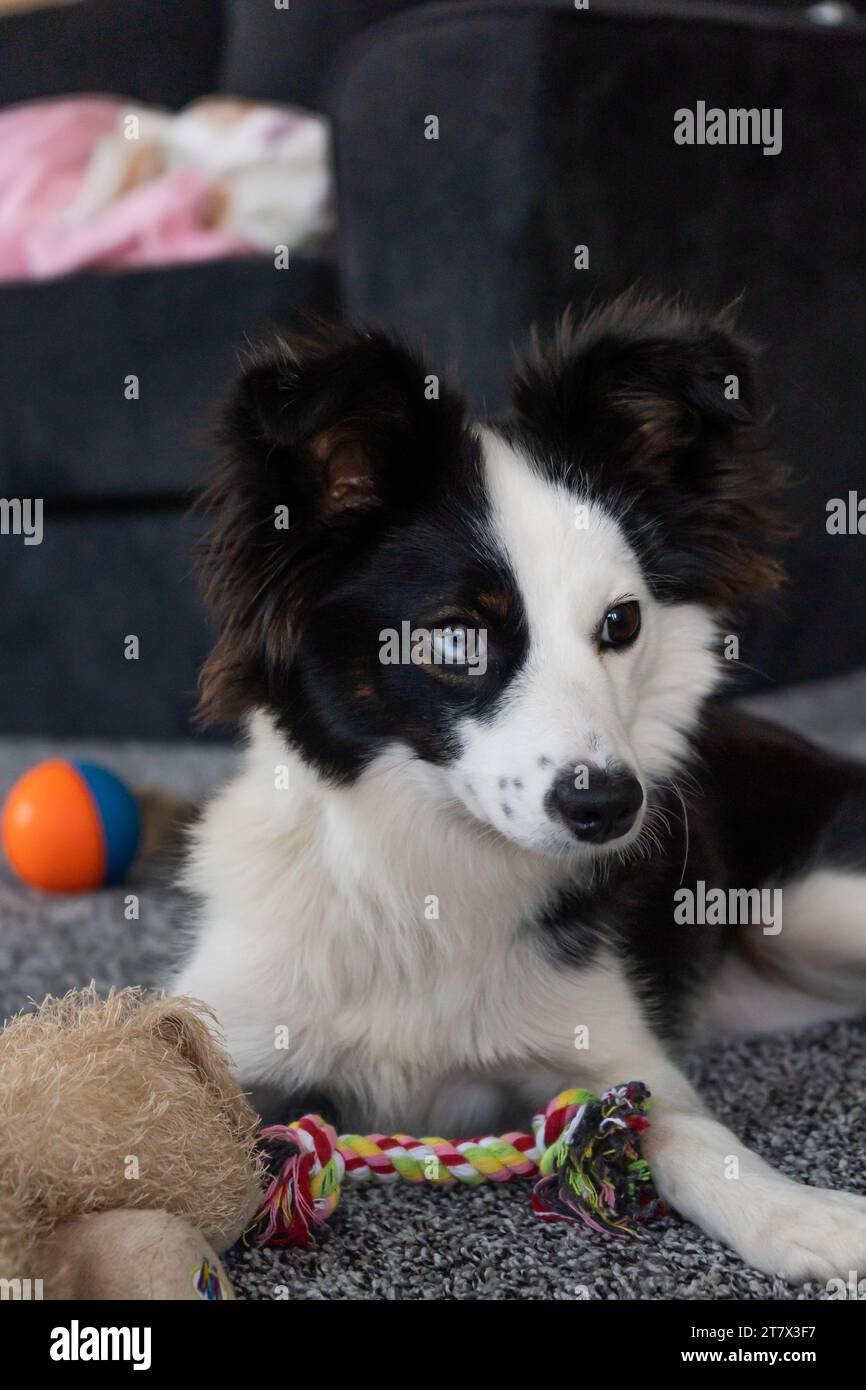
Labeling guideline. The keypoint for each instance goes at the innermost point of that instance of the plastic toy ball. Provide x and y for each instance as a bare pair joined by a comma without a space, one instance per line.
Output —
70,826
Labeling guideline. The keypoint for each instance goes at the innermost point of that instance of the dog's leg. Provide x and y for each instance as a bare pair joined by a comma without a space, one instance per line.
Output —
795,824
821,948
748,1000
701,1169
812,970
706,1174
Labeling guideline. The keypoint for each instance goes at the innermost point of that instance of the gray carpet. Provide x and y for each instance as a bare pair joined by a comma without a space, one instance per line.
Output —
798,1101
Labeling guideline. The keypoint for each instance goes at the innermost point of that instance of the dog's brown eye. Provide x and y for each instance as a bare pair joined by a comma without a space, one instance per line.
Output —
621,624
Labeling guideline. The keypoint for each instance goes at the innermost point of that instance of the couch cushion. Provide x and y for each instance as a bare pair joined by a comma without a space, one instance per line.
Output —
286,54
67,426
70,603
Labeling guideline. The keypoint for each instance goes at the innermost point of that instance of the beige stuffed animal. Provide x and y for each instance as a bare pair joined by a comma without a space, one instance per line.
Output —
127,1150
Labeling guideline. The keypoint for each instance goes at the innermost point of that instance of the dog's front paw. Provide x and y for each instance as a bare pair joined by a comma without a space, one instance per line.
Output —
805,1233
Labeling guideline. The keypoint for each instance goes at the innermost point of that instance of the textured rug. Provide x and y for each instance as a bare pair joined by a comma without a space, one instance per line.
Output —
798,1101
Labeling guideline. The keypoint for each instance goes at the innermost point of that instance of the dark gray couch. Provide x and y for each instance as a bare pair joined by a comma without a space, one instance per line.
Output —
555,130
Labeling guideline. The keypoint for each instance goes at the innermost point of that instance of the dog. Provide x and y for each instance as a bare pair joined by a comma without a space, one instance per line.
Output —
479,668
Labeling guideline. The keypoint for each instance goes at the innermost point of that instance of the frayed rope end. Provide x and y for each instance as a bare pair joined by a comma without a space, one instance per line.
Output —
594,1172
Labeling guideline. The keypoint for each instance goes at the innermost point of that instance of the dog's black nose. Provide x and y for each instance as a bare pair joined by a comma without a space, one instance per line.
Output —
604,809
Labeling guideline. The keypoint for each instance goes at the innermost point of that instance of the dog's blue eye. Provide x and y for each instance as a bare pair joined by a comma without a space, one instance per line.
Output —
450,646
621,624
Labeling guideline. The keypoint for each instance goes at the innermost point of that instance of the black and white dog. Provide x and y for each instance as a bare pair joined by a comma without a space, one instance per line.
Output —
477,666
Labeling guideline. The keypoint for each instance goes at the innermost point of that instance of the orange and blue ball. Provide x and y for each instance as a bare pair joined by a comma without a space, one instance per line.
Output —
68,826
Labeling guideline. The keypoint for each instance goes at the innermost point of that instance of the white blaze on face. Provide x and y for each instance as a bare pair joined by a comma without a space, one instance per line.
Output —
569,705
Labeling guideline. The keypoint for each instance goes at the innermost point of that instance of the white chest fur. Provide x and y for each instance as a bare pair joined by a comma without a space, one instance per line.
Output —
375,941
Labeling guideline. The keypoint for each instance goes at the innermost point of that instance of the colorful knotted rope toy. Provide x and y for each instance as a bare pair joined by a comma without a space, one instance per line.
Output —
583,1151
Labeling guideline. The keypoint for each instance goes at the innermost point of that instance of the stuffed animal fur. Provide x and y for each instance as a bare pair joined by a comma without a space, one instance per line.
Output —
118,1103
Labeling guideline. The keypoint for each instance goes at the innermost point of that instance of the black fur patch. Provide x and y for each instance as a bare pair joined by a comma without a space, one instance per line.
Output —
386,525
763,807
635,405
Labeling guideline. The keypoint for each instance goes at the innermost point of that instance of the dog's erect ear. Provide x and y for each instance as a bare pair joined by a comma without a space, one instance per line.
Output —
335,424
658,406
325,441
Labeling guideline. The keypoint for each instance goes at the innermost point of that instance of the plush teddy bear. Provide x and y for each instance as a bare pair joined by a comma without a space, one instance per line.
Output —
127,1151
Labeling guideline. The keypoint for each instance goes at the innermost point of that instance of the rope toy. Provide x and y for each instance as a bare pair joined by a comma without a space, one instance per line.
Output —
583,1153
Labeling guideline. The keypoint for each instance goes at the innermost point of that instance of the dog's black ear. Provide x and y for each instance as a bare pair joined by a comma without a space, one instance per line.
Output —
658,405
324,442
337,423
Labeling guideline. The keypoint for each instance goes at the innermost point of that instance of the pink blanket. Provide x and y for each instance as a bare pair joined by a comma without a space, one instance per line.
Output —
216,180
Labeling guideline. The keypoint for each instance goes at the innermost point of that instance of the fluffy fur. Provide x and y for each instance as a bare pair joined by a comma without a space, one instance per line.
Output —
434,894
87,1084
